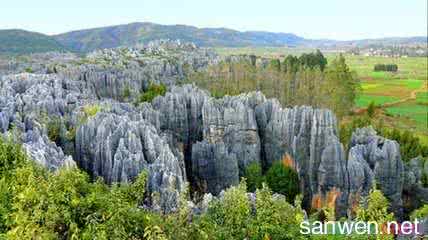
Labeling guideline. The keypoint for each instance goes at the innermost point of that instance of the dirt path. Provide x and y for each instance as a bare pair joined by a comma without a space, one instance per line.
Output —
412,96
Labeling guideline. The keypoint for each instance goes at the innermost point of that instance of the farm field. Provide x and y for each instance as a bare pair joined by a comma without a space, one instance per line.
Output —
402,96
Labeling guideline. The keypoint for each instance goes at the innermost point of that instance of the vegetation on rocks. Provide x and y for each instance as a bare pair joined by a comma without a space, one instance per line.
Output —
153,91
280,178
284,180
35,203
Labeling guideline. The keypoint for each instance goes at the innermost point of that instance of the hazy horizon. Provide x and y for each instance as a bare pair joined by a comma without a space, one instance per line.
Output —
329,19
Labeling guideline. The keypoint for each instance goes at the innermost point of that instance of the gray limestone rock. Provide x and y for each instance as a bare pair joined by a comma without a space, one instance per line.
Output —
213,167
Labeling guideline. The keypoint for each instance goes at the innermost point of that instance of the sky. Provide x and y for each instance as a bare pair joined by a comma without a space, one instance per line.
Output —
315,19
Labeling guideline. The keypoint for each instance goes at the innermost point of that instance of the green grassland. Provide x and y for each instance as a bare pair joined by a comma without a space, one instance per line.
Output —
422,98
364,100
413,111
408,68
408,87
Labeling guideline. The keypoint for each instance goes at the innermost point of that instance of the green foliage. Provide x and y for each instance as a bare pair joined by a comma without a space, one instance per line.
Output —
254,176
11,158
386,68
420,213
371,109
67,205
126,92
28,70
342,87
313,60
424,180
410,146
91,110
235,217
275,218
15,42
284,180
54,130
304,80
153,91
37,204
375,208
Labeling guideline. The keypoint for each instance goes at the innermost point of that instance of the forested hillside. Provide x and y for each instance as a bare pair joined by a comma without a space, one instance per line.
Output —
13,42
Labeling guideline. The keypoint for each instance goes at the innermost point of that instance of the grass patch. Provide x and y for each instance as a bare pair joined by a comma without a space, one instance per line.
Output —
422,98
379,75
364,100
367,86
412,83
417,112
91,110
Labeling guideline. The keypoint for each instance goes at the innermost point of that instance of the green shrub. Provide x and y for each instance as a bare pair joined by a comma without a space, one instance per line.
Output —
274,218
254,176
28,70
91,110
126,92
232,214
54,130
410,145
386,68
375,208
66,205
420,213
371,109
284,180
153,91
12,157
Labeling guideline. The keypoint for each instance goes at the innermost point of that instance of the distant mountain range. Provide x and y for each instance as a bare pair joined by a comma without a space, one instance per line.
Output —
24,42
21,42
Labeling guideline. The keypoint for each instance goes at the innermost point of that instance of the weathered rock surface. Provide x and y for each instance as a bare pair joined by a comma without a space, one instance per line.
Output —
45,152
118,148
384,159
414,193
214,168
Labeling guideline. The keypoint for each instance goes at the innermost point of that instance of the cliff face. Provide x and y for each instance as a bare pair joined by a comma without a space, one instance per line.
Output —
187,135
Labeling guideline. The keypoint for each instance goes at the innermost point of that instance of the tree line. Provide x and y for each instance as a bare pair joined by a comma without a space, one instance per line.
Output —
386,68
305,80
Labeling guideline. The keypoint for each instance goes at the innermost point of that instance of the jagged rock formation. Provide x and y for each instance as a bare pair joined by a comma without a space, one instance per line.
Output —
379,160
414,194
45,152
109,72
118,148
187,135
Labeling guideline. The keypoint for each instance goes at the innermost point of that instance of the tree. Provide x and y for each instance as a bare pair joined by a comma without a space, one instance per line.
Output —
375,209
371,109
153,91
254,176
420,213
341,87
12,157
284,180
275,218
